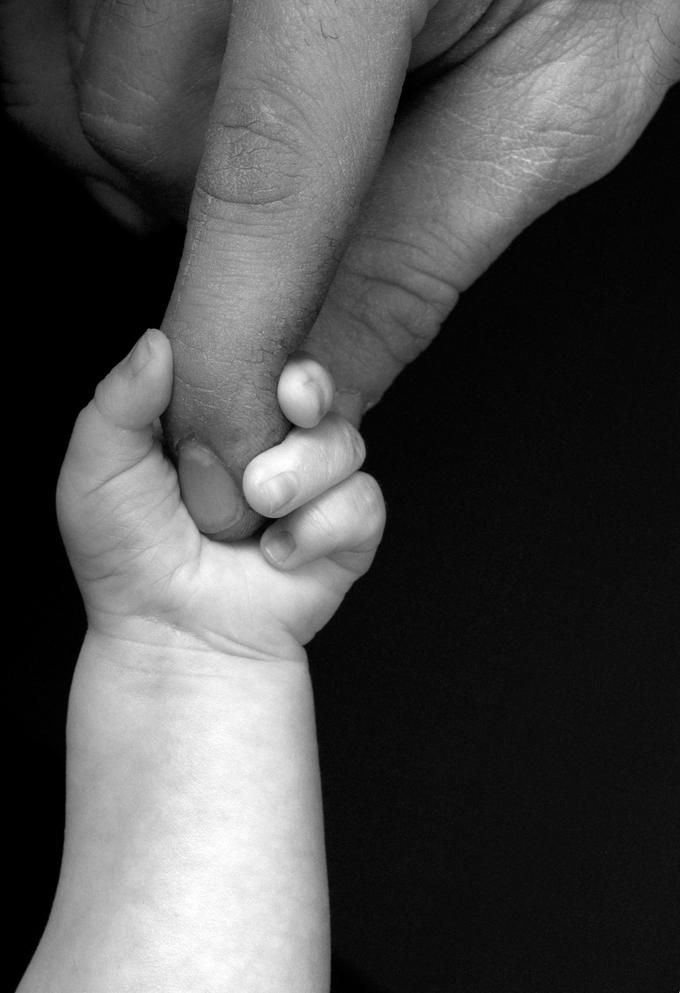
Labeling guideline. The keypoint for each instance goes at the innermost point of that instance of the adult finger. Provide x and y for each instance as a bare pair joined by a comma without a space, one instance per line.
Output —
545,108
304,108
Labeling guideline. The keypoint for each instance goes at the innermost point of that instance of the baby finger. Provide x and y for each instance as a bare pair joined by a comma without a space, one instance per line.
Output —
345,524
305,391
304,465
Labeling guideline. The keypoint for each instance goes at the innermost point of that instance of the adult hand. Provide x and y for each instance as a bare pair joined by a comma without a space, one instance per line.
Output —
509,106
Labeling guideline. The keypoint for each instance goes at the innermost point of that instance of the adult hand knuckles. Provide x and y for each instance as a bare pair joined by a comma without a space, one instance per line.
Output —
133,137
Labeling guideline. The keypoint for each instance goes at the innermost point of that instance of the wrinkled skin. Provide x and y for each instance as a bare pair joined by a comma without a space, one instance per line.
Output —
345,167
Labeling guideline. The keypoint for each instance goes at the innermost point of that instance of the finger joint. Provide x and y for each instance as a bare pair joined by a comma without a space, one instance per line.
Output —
254,156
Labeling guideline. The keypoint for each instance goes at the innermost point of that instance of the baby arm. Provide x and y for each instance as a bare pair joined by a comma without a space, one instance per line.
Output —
193,855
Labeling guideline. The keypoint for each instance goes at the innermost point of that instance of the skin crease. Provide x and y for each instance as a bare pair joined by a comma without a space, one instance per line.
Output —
329,208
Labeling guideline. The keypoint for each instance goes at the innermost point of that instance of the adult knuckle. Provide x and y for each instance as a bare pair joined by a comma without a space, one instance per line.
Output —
118,140
120,124
400,293
255,154
131,128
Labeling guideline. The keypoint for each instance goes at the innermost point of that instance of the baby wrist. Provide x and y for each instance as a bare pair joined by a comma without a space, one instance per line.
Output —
153,645
179,668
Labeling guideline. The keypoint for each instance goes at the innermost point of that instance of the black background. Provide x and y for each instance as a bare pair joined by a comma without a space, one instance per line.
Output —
499,700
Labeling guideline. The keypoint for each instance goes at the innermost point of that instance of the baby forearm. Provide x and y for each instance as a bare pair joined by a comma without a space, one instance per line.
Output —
193,858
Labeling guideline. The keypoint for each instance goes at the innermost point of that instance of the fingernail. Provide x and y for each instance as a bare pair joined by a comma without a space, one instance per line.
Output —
323,401
326,396
319,398
279,547
209,491
139,357
279,490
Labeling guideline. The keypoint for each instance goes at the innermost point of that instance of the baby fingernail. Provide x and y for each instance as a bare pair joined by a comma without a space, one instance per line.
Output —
279,490
140,354
279,547
327,394
322,402
209,491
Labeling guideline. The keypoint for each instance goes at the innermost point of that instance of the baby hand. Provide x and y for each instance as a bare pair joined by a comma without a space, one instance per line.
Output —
147,575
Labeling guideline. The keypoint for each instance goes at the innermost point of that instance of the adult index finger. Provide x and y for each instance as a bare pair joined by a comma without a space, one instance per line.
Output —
305,104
